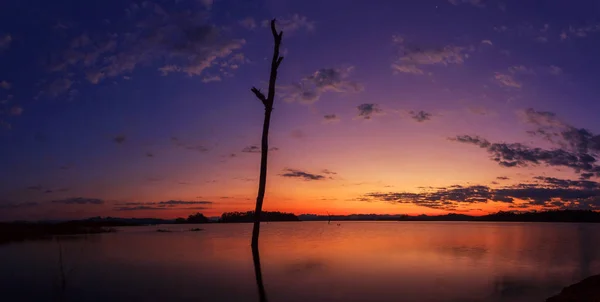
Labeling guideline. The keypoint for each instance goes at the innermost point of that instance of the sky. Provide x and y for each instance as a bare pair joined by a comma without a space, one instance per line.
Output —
144,109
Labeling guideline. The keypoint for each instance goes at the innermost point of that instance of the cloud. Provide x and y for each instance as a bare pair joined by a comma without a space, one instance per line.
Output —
325,171
248,23
57,87
555,70
5,41
546,192
5,85
208,79
14,206
331,118
293,173
575,148
420,116
520,69
507,80
541,39
161,205
16,110
256,149
502,178
119,139
580,32
411,59
192,147
292,24
149,154
298,134
310,88
80,201
35,188
489,42
182,40
180,202
478,3
367,111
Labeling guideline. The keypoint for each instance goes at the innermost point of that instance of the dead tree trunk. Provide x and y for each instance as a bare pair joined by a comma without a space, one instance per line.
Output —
268,103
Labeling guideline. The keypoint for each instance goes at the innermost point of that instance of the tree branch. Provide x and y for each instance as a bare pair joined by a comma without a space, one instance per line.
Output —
259,95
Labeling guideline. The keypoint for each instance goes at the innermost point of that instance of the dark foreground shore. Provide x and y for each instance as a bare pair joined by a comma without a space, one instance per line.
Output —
587,290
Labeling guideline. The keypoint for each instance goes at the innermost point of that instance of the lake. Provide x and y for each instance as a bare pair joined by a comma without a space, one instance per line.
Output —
308,261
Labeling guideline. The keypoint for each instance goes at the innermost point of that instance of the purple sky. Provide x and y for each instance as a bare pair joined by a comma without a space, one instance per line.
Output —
112,107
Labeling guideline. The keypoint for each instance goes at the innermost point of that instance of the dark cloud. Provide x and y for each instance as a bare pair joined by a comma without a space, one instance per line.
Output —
297,133
256,149
330,118
187,146
153,208
502,178
149,154
80,200
180,202
420,116
35,188
576,148
14,206
325,171
292,173
547,192
161,205
310,88
119,139
367,111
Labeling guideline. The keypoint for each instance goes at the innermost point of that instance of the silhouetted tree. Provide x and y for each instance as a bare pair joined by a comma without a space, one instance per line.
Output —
268,103
197,218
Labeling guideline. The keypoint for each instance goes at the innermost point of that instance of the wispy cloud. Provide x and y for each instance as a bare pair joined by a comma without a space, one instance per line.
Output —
248,23
119,139
5,41
367,111
15,206
183,39
507,80
293,173
292,24
16,110
520,69
420,116
161,205
208,79
411,58
5,84
331,118
79,201
478,3
546,192
555,70
310,88
188,146
256,149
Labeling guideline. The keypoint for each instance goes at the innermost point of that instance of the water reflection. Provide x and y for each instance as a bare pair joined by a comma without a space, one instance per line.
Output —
375,261
262,295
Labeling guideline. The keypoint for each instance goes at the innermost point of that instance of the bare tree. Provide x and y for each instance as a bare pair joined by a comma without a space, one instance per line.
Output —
268,102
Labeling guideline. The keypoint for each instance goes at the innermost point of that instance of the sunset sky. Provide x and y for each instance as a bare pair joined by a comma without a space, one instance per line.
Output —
144,109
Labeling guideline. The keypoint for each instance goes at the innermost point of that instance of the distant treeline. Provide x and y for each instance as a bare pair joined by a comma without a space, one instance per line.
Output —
531,216
236,217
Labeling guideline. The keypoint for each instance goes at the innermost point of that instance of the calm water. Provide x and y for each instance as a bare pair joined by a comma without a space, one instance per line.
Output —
308,261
